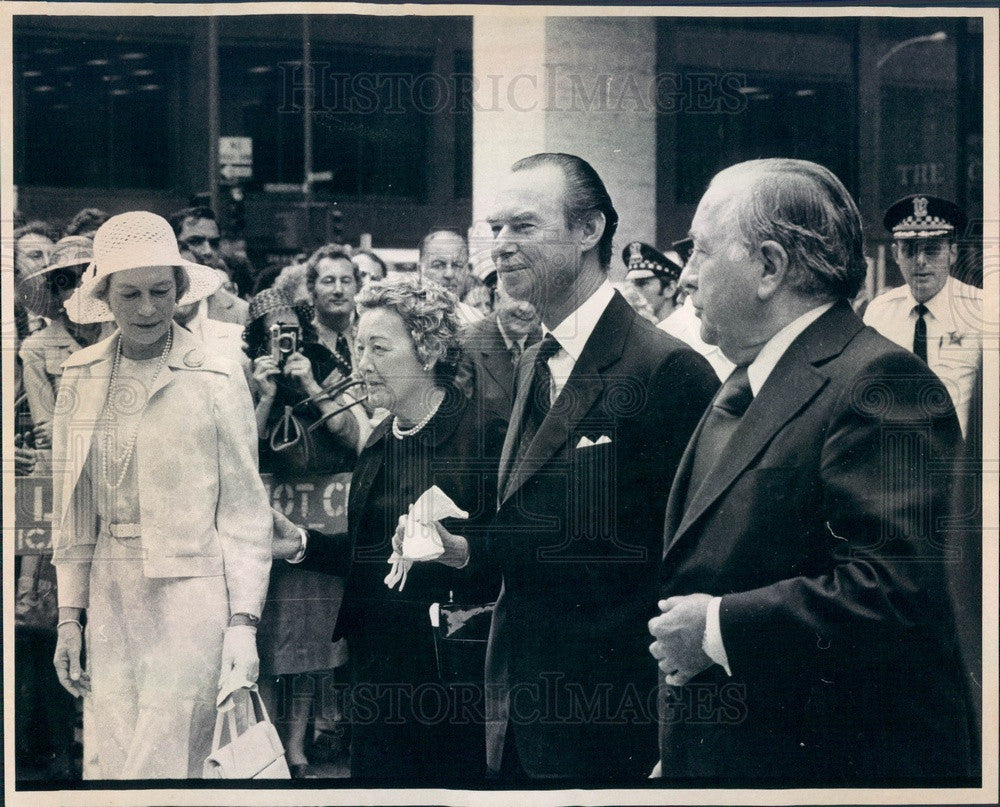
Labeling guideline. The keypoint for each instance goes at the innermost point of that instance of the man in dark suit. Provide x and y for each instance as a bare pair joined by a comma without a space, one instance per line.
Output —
605,405
495,344
806,635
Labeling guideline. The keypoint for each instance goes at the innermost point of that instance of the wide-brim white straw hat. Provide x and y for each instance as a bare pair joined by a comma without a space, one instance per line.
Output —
133,241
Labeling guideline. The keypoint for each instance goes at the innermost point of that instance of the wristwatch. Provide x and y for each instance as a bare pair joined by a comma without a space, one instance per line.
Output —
245,619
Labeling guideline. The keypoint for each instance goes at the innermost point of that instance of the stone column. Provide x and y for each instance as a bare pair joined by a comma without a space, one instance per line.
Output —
582,85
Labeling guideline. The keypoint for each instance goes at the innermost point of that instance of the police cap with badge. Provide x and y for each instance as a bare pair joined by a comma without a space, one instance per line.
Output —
643,261
923,216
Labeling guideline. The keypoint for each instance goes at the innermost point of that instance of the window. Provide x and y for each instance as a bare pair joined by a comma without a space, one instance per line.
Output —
93,114
370,124
804,119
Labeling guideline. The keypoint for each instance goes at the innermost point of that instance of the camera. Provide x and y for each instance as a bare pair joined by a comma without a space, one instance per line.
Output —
285,341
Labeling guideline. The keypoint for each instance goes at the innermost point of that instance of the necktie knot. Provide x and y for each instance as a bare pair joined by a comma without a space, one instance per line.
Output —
549,347
921,309
735,394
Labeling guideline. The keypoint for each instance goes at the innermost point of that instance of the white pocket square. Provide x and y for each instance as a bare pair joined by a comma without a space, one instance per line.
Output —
586,442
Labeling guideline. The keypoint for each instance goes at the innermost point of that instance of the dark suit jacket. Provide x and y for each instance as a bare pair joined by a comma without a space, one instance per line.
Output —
578,539
821,528
484,345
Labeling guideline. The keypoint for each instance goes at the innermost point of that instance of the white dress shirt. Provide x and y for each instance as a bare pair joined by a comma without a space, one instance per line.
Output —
758,371
954,334
572,334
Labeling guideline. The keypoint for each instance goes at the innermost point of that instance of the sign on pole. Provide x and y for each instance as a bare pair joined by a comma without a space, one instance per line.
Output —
235,158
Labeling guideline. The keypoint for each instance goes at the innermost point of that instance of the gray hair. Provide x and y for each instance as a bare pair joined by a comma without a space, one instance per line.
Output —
803,207
429,313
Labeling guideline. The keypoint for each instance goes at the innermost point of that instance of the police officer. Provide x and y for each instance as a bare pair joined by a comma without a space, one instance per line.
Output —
935,315
654,276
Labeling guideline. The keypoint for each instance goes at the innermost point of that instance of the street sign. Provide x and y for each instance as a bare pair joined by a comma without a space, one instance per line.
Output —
235,158
231,172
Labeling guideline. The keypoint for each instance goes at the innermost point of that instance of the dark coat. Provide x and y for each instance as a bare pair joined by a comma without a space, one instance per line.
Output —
465,469
484,345
578,538
397,733
821,528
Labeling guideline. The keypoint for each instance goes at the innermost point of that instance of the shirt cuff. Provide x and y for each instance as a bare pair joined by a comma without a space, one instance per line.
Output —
712,643
300,555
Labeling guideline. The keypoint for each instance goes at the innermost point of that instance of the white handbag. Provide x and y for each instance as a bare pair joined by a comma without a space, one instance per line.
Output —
257,753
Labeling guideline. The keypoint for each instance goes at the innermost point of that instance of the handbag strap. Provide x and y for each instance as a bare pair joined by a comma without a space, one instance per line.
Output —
286,432
255,711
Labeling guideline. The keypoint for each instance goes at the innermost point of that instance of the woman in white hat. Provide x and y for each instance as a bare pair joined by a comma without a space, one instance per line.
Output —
161,525
43,290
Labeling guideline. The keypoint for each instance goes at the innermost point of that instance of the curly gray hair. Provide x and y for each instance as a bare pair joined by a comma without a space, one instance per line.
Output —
429,313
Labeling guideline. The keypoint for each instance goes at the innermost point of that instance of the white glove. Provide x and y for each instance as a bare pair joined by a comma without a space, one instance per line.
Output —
420,540
240,663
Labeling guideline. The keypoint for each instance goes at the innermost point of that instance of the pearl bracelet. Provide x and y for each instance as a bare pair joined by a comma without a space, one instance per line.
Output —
70,622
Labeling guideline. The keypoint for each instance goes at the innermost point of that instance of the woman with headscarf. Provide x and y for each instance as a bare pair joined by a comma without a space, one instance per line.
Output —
160,526
406,722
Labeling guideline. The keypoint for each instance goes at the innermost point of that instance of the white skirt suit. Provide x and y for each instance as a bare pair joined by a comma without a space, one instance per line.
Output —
161,559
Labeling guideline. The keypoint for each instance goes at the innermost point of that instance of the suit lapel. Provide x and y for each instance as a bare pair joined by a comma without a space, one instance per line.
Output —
526,373
92,391
494,352
770,411
582,389
678,488
362,480
792,384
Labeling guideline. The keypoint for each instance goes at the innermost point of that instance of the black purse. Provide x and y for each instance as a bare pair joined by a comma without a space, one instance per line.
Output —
460,638
294,441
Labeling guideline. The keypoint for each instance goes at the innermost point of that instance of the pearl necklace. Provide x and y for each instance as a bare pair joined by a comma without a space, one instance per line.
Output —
399,433
109,423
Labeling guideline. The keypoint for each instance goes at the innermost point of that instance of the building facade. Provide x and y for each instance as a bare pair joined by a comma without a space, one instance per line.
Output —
402,123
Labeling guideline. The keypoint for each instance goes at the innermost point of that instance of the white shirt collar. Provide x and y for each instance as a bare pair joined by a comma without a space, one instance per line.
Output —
760,368
574,331
939,306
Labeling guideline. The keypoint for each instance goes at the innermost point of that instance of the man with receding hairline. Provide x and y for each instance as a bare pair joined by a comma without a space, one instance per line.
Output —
805,635
444,259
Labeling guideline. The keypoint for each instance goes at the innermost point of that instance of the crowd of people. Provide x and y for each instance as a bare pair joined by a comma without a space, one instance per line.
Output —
702,509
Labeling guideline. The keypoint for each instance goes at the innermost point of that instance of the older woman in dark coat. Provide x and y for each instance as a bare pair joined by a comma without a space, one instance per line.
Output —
406,723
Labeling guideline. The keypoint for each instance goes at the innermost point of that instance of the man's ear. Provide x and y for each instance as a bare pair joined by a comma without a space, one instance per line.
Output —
592,227
895,252
774,269
952,253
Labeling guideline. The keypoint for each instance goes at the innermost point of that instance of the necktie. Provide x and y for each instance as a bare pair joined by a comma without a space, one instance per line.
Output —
342,352
515,352
920,332
731,401
540,393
